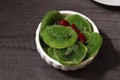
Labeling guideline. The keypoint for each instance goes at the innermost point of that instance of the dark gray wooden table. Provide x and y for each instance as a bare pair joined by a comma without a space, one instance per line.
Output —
19,59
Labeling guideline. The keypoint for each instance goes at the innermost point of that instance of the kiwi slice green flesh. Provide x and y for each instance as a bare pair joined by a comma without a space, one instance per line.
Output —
49,19
72,55
80,22
58,36
94,44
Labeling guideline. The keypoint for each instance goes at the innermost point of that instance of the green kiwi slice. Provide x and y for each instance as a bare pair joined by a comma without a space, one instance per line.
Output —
49,19
58,36
51,52
94,44
80,22
72,55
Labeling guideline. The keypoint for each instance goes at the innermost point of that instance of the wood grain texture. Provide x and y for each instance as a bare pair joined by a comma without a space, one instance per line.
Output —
19,59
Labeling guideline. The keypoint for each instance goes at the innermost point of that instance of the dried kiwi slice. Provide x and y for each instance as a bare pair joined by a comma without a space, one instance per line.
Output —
80,22
58,36
51,52
72,55
49,19
94,44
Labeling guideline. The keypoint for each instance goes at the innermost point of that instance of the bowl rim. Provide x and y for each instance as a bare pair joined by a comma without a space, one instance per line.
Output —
52,61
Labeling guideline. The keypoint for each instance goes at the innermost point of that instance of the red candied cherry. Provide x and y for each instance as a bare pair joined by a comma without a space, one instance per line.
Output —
74,28
63,22
81,37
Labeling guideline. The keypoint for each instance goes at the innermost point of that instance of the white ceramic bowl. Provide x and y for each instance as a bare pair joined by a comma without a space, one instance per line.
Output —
55,63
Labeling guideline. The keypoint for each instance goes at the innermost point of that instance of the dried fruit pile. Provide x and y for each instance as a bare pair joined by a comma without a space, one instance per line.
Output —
68,39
